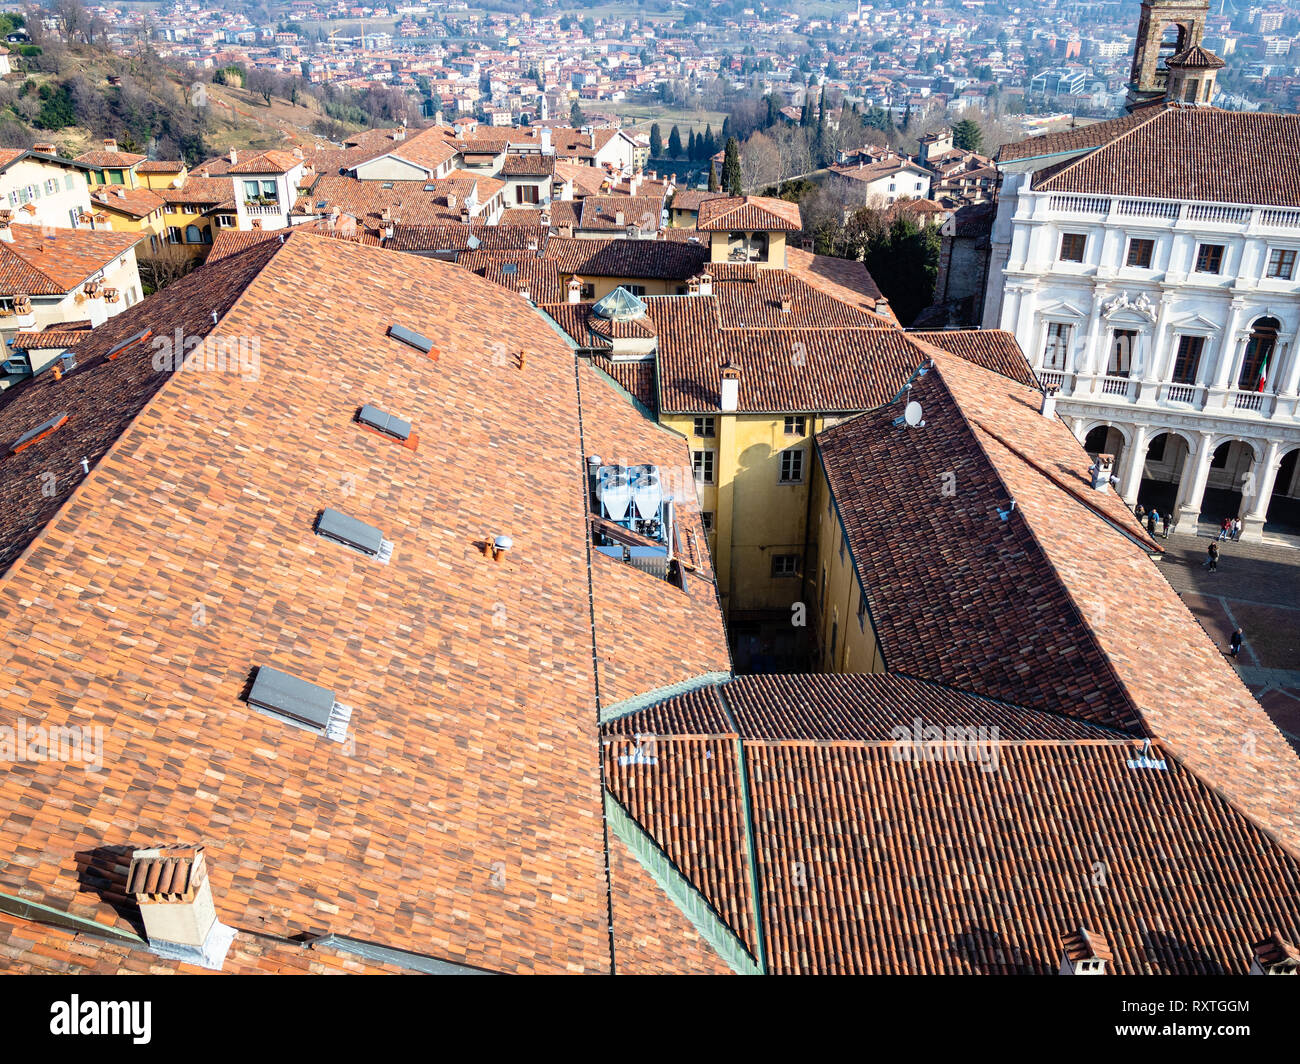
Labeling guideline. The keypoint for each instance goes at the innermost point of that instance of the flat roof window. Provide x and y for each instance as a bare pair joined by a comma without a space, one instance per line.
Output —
350,532
32,435
389,424
410,338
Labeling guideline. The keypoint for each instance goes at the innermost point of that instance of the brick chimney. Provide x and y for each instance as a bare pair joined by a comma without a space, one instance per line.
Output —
1274,956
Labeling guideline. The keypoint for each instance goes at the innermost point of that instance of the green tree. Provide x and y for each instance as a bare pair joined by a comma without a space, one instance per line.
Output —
967,135
576,118
674,143
731,169
904,260
656,142
714,185
710,145
692,147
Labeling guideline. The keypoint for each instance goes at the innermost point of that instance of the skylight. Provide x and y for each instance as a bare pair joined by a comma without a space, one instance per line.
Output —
302,704
32,435
289,696
143,334
411,338
389,424
350,532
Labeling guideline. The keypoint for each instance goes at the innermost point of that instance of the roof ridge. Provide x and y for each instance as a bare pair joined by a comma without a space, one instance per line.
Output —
1054,574
1156,112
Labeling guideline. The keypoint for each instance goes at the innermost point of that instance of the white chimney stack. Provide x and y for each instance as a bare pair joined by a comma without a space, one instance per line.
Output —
729,398
575,290
234,157
706,284
1101,470
1048,407
170,885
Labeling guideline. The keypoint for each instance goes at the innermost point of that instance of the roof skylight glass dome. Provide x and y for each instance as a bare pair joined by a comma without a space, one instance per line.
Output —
620,305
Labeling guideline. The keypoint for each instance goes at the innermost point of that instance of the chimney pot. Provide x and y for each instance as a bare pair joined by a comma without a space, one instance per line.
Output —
1101,470
110,144
500,545
1048,407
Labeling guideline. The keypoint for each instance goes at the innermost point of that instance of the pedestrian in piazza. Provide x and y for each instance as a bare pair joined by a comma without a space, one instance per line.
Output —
1166,520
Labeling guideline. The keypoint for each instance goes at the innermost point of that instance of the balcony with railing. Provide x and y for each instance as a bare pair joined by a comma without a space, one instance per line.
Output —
261,210
1193,215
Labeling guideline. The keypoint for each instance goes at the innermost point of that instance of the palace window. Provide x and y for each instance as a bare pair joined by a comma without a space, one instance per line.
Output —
1122,343
1209,258
1139,253
1072,247
1281,264
1057,346
1257,366
1187,361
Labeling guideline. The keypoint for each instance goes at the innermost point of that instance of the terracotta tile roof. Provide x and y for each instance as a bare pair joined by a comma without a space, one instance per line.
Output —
751,297
651,935
710,850
39,264
749,213
65,335
458,669
454,236
587,180
531,165
621,257
689,199
136,202
1165,157
160,166
1066,579
232,241
201,191
1195,58
408,203
510,269
267,162
430,148
530,216
564,213
873,856
601,212
100,160
101,397
845,279
637,378
1082,138
994,349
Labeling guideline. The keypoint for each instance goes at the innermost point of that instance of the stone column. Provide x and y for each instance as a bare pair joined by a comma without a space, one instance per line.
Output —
1191,487
1229,353
1135,460
1254,508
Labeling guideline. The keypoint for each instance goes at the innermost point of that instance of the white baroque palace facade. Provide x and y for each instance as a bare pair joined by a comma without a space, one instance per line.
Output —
1170,327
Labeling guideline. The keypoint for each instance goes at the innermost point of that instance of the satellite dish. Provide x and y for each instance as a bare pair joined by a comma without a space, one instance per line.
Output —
912,414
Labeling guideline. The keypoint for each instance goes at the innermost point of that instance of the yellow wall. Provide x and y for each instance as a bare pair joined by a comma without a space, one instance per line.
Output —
856,649
604,285
159,182
719,244
755,515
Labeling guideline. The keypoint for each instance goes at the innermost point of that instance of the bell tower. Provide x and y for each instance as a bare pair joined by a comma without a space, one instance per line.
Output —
1165,28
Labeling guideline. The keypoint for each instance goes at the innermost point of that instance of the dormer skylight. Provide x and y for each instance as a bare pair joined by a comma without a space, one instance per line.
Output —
130,341
410,338
389,424
39,432
357,535
303,704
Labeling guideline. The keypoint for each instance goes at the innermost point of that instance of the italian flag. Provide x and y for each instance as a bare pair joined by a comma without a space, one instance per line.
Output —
1263,374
